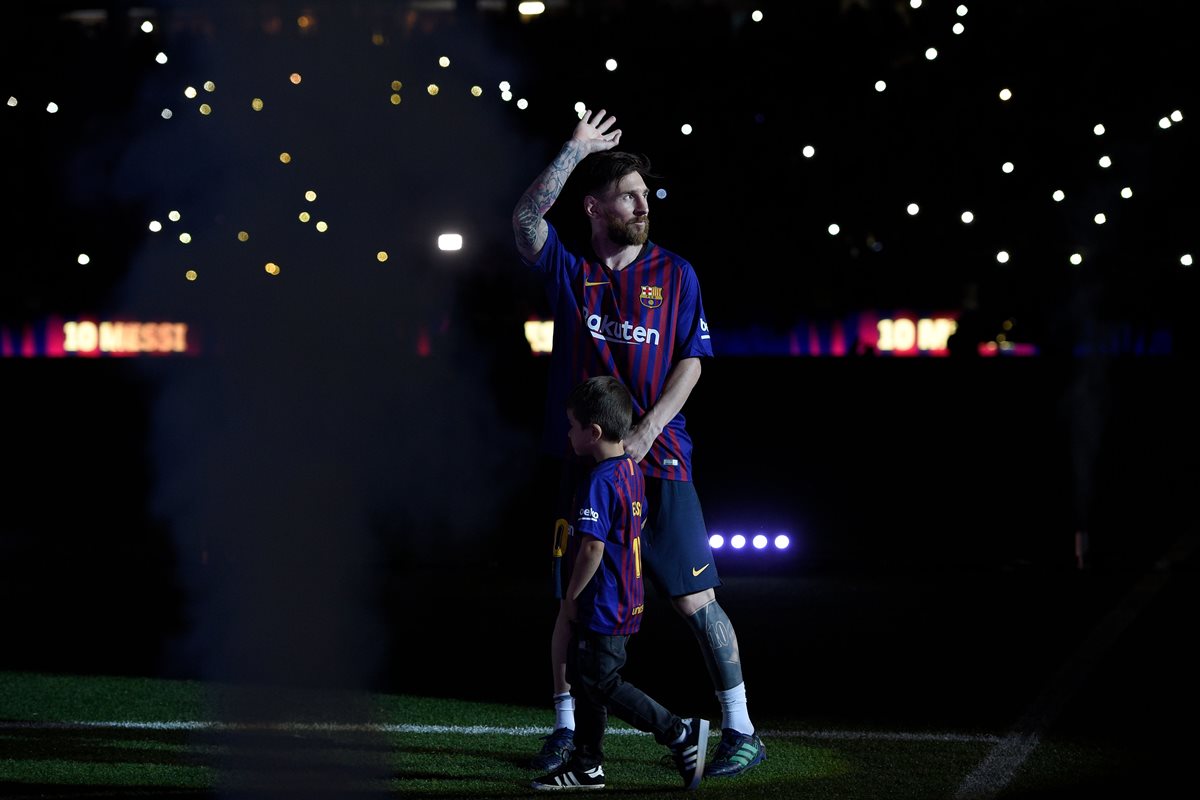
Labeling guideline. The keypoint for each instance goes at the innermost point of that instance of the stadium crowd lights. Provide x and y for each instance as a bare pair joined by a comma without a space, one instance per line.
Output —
760,541
1008,167
449,242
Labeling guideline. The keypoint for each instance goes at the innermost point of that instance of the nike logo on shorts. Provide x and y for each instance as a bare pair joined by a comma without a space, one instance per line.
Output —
696,572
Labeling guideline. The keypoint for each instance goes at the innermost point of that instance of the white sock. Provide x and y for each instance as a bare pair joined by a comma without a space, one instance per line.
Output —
564,711
734,713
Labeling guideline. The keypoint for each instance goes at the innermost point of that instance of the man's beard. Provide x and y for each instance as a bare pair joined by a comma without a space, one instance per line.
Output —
627,233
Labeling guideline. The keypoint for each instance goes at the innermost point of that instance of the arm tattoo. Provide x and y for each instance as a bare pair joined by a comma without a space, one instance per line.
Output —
525,222
538,198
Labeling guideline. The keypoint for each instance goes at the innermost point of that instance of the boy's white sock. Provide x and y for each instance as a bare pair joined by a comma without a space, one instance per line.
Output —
564,711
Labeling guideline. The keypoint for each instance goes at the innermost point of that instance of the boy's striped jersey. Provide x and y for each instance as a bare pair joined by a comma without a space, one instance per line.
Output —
610,505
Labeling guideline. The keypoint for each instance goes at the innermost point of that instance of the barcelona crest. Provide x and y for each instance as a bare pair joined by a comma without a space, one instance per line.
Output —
652,296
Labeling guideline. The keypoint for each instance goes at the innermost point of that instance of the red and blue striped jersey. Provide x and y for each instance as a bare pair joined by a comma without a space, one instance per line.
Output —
610,505
634,324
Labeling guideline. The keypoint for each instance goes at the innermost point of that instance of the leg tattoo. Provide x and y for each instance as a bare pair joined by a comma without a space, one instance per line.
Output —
714,632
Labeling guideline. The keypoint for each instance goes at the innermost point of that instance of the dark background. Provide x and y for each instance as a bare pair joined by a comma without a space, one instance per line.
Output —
343,485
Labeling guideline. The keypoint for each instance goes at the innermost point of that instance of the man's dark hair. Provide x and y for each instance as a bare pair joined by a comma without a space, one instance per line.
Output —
599,170
604,401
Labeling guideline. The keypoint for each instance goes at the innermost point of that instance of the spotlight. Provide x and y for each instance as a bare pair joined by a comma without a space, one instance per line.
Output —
716,541
738,541
782,542
760,541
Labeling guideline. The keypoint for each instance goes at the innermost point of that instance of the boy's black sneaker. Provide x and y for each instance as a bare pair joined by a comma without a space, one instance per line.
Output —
571,778
689,754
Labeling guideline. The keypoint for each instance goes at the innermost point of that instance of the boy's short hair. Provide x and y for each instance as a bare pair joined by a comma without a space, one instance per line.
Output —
604,401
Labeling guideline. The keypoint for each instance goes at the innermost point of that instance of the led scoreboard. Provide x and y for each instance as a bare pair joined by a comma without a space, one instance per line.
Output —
58,338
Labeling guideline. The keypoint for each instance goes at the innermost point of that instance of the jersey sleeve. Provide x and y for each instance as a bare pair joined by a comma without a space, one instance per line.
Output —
555,265
691,331
593,515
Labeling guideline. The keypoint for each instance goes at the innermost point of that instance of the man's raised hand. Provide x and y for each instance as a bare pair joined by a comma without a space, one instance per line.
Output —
593,132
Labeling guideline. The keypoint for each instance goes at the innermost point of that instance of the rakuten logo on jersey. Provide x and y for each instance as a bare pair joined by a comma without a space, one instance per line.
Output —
623,332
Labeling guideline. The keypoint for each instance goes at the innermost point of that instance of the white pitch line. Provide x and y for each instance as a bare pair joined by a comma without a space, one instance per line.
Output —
465,730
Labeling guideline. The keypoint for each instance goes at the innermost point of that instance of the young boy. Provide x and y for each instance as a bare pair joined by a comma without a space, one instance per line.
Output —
603,597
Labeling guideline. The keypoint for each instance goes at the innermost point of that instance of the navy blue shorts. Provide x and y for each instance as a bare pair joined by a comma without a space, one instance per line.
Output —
572,472
675,549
